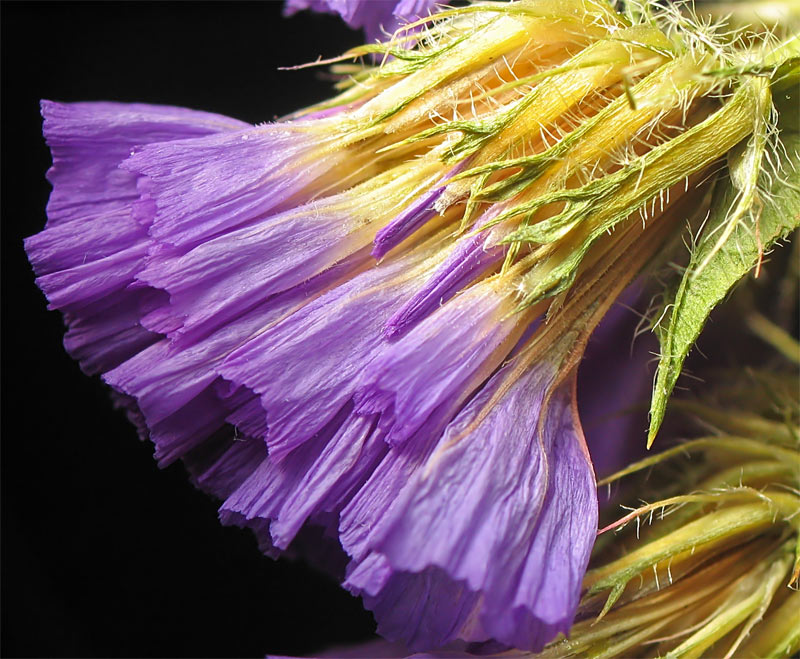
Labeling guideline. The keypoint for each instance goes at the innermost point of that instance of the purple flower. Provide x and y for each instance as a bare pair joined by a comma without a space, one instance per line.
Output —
196,279
301,313
378,18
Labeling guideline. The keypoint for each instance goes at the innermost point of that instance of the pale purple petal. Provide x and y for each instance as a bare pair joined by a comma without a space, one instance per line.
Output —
438,359
470,259
89,140
198,188
315,480
377,17
506,505
222,278
306,368
92,247
362,520
170,383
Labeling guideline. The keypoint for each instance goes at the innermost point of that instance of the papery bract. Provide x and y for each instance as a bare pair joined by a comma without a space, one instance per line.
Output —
360,327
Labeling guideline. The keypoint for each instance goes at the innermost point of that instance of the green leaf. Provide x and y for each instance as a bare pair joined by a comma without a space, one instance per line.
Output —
702,289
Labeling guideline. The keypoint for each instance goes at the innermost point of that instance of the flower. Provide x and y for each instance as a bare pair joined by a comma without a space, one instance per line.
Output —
378,17
368,318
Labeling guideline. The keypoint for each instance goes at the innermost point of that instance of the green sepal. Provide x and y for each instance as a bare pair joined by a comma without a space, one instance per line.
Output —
603,203
700,290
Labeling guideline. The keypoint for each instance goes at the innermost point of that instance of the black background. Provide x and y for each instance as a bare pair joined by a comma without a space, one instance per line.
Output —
103,553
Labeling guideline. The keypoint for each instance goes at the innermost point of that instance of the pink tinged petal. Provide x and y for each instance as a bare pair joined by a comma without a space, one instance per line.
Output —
306,367
505,509
438,359
199,188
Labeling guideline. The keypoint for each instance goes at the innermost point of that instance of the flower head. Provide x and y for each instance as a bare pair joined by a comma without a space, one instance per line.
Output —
368,317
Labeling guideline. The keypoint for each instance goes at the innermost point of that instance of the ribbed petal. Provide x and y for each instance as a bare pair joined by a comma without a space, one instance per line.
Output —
506,505
168,382
411,219
410,606
314,482
89,140
306,368
92,247
221,471
364,519
469,259
448,353
102,336
202,187
259,499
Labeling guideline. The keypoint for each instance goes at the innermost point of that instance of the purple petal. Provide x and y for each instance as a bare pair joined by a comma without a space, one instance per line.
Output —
411,219
200,187
92,247
314,482
225,470
221,279
89,140
401,227
362,520
169,382
470,258
449,352
613,410
410,606
377,17
104,335
306,368
249,416
506,504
